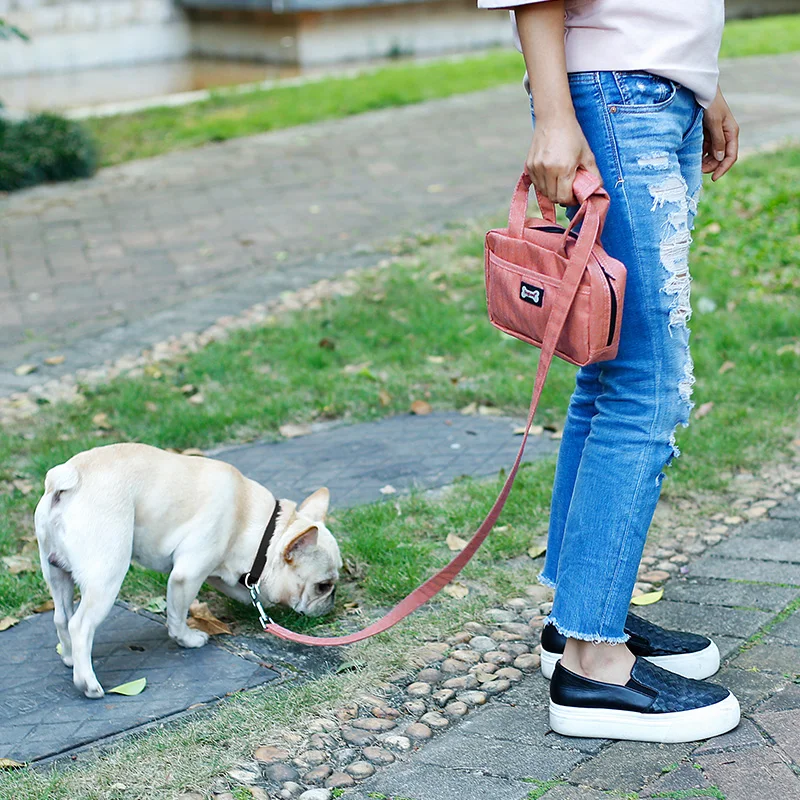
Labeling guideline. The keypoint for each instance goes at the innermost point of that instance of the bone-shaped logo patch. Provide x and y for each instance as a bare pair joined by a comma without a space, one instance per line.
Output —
531,294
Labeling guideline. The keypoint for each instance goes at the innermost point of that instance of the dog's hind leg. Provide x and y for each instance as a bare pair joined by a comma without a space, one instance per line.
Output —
62,588
98,594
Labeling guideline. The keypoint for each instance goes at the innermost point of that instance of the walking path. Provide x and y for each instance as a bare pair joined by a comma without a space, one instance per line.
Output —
154,248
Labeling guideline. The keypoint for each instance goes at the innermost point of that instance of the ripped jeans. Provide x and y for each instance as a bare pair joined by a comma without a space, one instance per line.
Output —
646,134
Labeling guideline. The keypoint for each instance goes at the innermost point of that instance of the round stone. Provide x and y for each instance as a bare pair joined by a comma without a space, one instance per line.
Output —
655,576
518,628
399,743
516,603
321,741
270,755
510,674
292,788
344,756
515,648
361,770
377,755
498,657
313,757
482,644
322,725
460,637
443,696
679,558
419,689
473,698
484,668
316,794
497,687
280,773
244,775
461,682
500,615
385,712
477,629
667,566
339,780
527,614
546,608
712,538
317,775
450,665
415,707
429,675
505,636
485,677
456,709
356,737
527,662
346,713
538,594
466,656
418,731
376,725
433,719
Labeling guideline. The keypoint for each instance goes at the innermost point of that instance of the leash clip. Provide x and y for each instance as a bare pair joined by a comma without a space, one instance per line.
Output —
263,617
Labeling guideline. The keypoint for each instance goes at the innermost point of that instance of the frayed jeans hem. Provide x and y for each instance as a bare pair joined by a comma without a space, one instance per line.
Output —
595,638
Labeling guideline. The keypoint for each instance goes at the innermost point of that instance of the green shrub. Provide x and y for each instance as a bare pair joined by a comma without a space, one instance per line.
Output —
44,148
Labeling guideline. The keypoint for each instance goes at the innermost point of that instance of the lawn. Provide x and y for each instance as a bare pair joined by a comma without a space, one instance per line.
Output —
230,114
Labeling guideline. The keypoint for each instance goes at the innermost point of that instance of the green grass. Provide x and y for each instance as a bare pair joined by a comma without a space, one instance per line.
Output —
431,303
761,37
229,114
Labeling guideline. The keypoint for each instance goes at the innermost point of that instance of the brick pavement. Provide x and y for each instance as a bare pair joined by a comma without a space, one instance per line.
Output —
158,247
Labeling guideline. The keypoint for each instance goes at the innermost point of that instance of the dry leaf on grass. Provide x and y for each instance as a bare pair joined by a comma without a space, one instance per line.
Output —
101,421
355,369
704,409
469,409
648,599
54,361
17,564
455,543
8,622
151,406
436,359
388,489
201,618
9,763
25,369
534,430
157,605
384,397
489,411
292,430
536,550
421,408
196,399
726,366
456,589
152,371
48,605
129,689
23,486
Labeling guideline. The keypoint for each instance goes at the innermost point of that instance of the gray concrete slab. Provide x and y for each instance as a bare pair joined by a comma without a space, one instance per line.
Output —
42,714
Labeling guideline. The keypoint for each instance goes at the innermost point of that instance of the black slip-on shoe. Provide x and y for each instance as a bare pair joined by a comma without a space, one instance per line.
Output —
654,706
686,654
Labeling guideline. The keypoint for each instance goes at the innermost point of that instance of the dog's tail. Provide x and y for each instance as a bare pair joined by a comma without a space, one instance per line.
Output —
61,479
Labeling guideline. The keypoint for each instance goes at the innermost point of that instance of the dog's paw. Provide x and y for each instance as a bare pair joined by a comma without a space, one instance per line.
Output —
91,688
68,661
191,638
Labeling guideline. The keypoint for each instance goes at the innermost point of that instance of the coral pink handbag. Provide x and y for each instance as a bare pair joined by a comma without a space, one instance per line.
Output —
555,288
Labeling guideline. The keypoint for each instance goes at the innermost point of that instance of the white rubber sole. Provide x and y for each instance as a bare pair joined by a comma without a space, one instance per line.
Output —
676,726
700,665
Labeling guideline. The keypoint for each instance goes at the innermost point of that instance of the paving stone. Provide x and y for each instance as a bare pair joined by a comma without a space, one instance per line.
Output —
712,592
770,655
565,791
625,766
750,688
762,772
746,734
712,566
679,780
761,549
770,529
784,699
706,620
404,445
788,630
40,701
437,783
789,511
784,728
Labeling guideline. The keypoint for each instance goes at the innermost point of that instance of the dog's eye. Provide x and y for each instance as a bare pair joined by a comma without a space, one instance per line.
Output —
325,586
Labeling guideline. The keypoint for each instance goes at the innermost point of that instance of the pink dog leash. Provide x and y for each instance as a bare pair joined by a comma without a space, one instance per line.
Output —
585,186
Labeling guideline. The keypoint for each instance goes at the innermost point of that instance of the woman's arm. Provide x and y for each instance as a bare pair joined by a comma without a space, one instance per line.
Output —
721,138
559,146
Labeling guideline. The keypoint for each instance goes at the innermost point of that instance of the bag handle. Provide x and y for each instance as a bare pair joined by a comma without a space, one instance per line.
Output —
555,324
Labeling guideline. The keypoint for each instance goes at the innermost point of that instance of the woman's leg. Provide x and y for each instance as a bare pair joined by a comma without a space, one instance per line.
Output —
646,137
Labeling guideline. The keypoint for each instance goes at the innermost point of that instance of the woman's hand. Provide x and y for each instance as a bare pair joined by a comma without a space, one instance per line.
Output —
557,150
720,139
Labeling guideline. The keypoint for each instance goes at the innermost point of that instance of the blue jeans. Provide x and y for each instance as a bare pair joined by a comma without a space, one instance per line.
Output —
646,134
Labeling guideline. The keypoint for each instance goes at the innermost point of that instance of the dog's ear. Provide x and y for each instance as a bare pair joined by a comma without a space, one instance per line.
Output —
315,506
300,542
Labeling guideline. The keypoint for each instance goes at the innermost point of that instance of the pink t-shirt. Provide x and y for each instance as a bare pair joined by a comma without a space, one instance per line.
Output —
676,39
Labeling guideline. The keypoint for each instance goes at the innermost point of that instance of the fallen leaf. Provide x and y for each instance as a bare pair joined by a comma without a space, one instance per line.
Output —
648,598
536,550
501,528
129,689
421,408
557,435
9,763
188,388
456,589
714,227
788,348
327,344
455,543
354,369
726,367
388,489
59,649
23,486
25,369
704,410
48,605
384,397
292,430
151,406
436,359
534,430
192,451
197,399
8,622
202,619
157,605
152,371
54,361
468,410
101,421
17,564
489,411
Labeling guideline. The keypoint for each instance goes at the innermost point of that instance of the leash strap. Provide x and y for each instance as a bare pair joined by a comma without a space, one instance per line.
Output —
585,186
250,579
